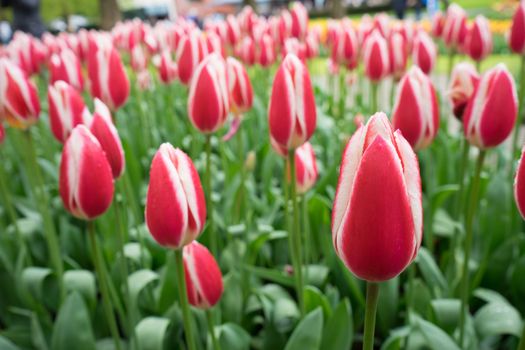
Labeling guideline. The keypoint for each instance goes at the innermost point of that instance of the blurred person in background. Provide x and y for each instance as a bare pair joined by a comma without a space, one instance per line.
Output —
26,16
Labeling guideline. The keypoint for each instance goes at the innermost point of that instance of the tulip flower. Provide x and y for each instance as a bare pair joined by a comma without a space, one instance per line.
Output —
246,51
345,49
463,82
519,185
416,110
454,27
203,276
167,68
375,57
175,205
106,133
438,22
19,103
266,53
208,102
517,30
2,133
66,110
233,30
108,79
478,41
299,20
239,87
491,113
86,181
306,168
188,56
398,55
138,59
66,66
292,114
424,53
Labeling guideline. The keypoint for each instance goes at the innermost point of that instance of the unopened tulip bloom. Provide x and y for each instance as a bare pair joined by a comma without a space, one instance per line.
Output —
203,276
233,30
478,41
138,59
19,104
175,205
491,113
167,68
208,102
306,168
463,82
108,79
66,109
375,57
299,20
424,53
517,30
239,87
266,53
188,56
416,110
2,133
398,54
66,66
438,21
455,26
106,133
246,51
292,114
377,217
86,182
519,185
345,49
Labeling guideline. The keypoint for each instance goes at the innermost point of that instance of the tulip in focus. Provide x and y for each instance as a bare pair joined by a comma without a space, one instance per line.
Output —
203,276
306,168
380,175
517,30
463,82
66,110
416,110
478,41
19,104
66,66
375,57
86,181
424,53
106,133
491,113
175,205
292,113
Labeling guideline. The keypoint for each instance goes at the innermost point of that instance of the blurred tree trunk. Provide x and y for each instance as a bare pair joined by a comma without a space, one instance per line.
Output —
109,13
338,10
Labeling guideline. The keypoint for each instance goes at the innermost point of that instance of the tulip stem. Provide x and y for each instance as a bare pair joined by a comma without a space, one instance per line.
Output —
469,220
295,234
211,330
331,86
43,203
372,294
459,205
373,97
209,199
184,304
521,345
102,280
451,55
342,92
306,229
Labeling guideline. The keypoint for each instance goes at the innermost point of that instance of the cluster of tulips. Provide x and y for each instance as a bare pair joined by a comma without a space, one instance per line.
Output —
377,216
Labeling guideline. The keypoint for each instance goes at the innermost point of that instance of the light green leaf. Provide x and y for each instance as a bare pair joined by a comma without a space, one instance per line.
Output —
338,332
307,334
151,333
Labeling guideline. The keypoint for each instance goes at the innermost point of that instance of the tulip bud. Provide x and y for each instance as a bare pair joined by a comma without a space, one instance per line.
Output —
19,103
478,41
299,20
86,183
246,51
517,30
491,113
416,110
138,59
455,26
66,66
266,54
306,168
345,50
106,133
438,21
377,220
375,57
463,82
292,113
175,205
2,133
233,30
66,109
203,276
519,185
167,68
239,86
109,81
208,102
188,56
425,52
398,55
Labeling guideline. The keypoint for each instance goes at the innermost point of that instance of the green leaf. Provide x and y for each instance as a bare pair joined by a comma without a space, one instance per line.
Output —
431,272
233,337
6,344
338,332
314,298
436,338
446,312
307,335
151,333
276,276
39,282
497,318
82,281
138,282
315,274
73,327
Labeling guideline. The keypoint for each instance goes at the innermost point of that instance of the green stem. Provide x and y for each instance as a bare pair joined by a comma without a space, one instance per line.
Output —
295,234
209,200
135,210
43,204
410,294
211,330
451,55
521,345
306,229
145,119
469,220
331,96
478,66
372,294
102,280
342,93
373,98
184,304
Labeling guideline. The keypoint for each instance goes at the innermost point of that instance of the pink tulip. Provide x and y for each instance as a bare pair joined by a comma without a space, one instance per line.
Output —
454,27
246,51
517,30
188,56
239,87
478,41
266,54
66,66
106,133
306,168
66,110
2,133
167,68
377,219
519,185
463,82
345,49
438,22
203,276
175,205
375,57
138,60
299,20
398,54
19,103
424,54
86,183
233,30
292,113
491,113
416,110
